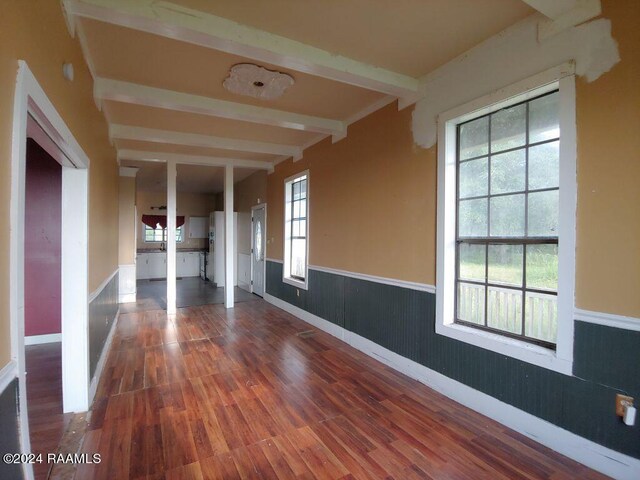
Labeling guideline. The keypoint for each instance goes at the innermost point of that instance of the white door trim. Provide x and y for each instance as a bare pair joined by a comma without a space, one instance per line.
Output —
30,99
264,261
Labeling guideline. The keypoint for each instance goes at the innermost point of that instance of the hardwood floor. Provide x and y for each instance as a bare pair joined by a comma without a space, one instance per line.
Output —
249,393
47,423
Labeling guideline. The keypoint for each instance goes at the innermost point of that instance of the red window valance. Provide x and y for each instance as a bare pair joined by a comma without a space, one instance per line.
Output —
152,221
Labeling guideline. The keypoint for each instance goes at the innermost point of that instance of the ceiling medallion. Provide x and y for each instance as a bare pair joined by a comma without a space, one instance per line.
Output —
256,81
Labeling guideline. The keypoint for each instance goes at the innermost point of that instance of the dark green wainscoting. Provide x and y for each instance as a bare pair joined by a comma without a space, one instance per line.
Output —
606,360
102,313
9,433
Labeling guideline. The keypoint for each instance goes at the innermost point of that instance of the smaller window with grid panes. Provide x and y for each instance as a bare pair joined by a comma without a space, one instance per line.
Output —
296,230
159,234
507,220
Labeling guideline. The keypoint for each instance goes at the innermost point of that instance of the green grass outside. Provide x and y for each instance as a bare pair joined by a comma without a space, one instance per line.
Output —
542,271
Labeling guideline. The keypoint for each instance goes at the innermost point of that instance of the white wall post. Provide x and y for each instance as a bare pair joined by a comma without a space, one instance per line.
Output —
228,237
171,238
75,308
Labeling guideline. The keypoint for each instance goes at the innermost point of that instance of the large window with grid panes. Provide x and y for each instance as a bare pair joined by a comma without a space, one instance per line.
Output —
507,220
506,233
296,230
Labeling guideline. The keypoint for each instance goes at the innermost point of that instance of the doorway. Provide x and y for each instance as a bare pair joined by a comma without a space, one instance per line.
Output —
258,248
34,116
42,300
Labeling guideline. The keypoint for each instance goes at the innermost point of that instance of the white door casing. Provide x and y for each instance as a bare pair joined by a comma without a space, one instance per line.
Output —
30,100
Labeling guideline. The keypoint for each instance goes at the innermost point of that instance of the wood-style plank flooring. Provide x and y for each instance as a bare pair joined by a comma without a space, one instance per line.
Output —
47,423
240,393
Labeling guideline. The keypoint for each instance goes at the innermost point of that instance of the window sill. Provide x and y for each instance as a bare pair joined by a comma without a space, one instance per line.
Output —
296,283
511,347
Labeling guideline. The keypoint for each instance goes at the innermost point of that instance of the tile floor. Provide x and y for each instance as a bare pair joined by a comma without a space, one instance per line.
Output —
190,292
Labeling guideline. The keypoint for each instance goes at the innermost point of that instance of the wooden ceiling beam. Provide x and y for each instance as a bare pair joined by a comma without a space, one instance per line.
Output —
181,159
563,14
130,132
115,90
199,28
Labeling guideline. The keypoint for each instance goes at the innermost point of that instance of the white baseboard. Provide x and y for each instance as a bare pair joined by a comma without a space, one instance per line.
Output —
40,339
591,454
93,387
127,297
8,373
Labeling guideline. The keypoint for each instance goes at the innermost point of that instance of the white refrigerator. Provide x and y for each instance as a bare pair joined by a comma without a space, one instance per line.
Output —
215,267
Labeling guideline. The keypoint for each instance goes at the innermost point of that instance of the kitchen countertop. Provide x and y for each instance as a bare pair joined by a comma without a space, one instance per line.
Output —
157,250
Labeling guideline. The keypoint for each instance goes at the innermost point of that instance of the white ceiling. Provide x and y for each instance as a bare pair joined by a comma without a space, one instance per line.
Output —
158,69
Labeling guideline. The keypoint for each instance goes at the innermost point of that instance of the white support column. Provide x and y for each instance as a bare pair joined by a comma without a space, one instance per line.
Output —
171,237
228,237
75,331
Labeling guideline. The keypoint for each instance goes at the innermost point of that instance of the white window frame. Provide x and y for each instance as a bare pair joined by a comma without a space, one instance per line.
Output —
561,359
286,264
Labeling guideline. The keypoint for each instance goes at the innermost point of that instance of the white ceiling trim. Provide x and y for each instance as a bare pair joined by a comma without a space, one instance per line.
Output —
563,14
199,28
143,156
130,132
107,89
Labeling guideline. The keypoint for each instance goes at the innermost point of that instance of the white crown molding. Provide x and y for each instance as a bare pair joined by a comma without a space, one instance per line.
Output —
143,156
608,319
136,94
130,132
199,28
7,374
589,453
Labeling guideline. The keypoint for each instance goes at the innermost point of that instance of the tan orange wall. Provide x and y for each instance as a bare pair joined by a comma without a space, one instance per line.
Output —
35,31
127,209
247,193
372,201
608,224
188,204
373,195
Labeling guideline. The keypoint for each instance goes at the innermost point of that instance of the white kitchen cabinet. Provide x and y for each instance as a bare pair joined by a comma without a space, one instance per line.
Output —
151,265
154,265
180,265
193,264
198,227
142,266
187,264
157,265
